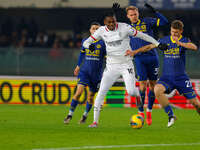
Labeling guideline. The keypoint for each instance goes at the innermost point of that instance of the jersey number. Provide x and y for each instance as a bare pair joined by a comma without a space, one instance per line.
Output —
156,71
188,83
130,70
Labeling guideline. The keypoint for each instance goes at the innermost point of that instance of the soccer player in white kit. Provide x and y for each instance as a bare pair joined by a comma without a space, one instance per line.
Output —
116,37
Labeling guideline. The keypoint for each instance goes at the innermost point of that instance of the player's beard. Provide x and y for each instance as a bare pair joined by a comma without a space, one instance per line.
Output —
111,27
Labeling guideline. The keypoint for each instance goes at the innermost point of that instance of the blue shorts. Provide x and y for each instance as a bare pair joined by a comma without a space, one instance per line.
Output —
181,83
91,81
147,67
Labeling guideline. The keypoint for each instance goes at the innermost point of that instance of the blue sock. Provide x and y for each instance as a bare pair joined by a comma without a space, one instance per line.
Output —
142,94
74,103
151,99
88,108
169,110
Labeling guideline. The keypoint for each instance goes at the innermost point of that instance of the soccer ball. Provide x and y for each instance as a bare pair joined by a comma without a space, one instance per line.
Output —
137,121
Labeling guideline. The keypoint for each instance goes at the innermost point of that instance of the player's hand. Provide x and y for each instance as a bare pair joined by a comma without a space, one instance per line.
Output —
176,40
130,53
163,46
150,7
115,7
76,70
92,47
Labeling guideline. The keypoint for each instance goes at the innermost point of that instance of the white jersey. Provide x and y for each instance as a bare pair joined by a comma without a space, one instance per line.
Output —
117,41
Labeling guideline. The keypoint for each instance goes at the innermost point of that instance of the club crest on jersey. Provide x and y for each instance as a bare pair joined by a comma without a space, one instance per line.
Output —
98,46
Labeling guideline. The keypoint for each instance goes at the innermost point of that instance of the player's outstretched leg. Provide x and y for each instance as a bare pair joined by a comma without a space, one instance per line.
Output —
132,90
110,75
163,100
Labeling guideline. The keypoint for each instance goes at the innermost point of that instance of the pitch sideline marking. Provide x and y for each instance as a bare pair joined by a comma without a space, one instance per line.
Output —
118,146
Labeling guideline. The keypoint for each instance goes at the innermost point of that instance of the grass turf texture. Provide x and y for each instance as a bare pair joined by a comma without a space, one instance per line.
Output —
27,127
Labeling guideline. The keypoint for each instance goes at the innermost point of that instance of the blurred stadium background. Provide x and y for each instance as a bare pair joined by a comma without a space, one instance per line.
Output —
39,47
43,38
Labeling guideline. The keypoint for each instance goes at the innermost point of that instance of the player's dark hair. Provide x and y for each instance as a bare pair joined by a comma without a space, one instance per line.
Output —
108,14
95,23
177,24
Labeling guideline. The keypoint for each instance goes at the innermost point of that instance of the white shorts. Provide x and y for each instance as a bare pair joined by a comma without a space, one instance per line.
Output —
111,73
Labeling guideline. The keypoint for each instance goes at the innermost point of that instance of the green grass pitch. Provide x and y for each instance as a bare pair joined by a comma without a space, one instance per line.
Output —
36,127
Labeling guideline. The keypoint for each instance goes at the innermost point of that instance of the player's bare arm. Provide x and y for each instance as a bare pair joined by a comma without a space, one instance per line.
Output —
142,50
188,45
150,39
146,37
76,70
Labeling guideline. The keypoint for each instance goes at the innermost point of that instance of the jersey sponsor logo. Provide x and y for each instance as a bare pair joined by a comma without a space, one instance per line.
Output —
92,58
172,51
114,43
168,56
111,37
95,53
141,27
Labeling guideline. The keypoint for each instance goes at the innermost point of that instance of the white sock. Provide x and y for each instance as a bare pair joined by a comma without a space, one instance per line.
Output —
96,114
85,114
149,110
70,113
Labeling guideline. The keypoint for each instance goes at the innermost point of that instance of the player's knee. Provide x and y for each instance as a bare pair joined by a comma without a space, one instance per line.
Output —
77,96
97,107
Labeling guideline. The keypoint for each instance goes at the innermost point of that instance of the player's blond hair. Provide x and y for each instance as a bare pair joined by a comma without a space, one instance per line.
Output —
131,8
177,24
